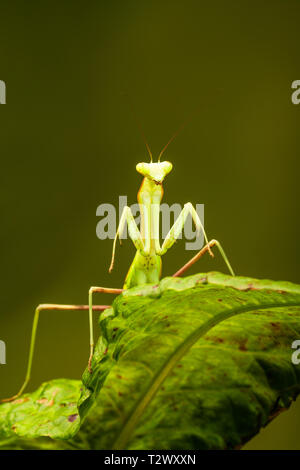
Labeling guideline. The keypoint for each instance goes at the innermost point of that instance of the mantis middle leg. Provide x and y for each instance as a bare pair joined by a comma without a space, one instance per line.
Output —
200,254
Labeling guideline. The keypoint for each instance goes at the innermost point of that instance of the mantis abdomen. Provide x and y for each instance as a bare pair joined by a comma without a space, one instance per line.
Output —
143,270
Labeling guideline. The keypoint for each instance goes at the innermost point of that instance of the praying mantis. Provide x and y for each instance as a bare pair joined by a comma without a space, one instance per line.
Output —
146,265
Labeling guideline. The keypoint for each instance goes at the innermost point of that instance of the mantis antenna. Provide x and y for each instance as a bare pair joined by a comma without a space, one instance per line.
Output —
172,138
177,132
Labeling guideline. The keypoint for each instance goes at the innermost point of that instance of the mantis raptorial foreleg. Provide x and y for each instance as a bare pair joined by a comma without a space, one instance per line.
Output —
200,254
39,309
176,230
178,226
134,234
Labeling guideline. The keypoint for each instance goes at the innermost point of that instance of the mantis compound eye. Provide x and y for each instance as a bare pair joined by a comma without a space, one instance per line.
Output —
166,167
142,168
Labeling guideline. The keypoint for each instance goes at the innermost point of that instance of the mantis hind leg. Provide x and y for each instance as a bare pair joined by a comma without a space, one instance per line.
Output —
206,248
40,308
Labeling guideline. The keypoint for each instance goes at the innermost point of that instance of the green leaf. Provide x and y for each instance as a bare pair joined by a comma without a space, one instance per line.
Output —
41,443
196,363
49,411
201,362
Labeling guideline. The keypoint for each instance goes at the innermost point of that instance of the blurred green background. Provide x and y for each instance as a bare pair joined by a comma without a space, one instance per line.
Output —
69,143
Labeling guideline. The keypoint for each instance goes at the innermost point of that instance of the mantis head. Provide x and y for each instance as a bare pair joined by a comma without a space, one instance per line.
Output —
155,172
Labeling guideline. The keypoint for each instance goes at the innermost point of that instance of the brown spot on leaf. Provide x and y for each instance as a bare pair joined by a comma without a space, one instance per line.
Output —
242,346
275,324
249,287
72,418
215,339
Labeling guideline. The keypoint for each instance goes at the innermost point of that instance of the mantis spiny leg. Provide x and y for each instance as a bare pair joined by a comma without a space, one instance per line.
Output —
178,226
200,254
40,308
134,234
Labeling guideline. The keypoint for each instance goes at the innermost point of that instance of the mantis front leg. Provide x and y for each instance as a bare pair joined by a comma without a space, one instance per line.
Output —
134,234
178,226
176,230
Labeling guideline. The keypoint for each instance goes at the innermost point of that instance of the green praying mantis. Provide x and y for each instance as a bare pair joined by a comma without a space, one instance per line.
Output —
147,264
